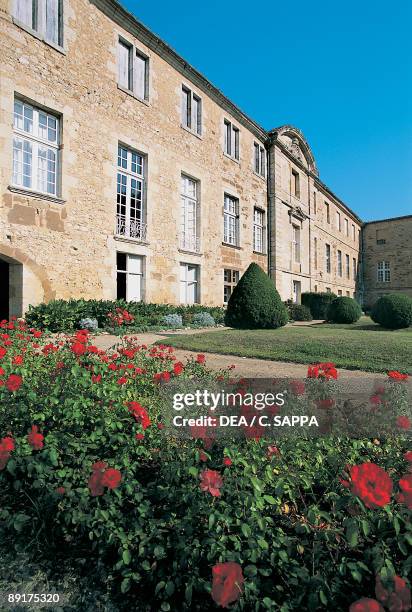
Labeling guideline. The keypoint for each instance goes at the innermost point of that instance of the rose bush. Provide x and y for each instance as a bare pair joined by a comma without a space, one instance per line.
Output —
86,470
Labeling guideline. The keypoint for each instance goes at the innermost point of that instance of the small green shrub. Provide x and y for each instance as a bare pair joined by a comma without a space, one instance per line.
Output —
318,303
173,320
203,319
344,310
299,312
393,311
255,303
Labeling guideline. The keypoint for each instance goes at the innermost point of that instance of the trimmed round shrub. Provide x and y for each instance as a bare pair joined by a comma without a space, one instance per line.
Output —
172,320
393,311
299,312
318,303
203,319
255,302
344,310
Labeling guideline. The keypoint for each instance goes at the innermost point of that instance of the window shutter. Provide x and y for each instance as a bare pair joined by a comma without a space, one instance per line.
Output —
140,76
52,21
124,54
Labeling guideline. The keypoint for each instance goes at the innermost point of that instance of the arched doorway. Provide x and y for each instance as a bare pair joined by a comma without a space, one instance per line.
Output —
11,287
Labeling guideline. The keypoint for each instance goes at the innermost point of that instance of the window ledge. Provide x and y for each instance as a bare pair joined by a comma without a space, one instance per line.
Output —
132,240
133,95
232,246
187,129
190,252
261,176
36,194
35,34
237,161
260,253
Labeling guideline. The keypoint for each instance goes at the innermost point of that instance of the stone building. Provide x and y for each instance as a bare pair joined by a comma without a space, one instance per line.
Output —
125,173
386,258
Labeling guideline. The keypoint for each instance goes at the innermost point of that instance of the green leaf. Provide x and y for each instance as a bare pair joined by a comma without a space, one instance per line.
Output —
246,530
126,556
125,586
352,534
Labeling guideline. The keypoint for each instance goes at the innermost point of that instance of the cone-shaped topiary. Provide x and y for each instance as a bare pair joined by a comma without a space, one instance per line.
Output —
255,303
343,310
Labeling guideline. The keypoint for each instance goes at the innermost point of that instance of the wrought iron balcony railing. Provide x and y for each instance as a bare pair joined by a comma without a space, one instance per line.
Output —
130,228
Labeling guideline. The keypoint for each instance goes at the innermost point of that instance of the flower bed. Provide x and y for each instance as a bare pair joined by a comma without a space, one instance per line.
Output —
195,524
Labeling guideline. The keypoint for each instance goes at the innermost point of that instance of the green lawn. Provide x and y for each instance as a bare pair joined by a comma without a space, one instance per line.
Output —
362,346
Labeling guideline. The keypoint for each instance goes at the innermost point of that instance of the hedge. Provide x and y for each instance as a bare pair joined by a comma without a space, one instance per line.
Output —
343,310
318,303
393,311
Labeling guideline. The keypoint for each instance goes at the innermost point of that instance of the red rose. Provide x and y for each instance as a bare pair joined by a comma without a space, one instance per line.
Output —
14,382
2,371
371,484
35,439
178,368
111,478
96,378
6,444
403,422
408,456
17,360
95,483
139,436
122,380
200,359
78,348
273,451
366,605
140,414
61,490
375,399
396,599
166,376
227,583
3,352
211,481
227,461
395,375
202,456
99,466
405,485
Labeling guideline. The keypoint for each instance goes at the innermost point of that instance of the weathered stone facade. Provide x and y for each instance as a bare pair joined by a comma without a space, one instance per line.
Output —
251,193
386,258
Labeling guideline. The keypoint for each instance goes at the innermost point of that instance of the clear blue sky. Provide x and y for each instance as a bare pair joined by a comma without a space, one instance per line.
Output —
341,72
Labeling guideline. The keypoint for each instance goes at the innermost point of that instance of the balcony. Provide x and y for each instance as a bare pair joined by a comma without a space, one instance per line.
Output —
189,243
130,228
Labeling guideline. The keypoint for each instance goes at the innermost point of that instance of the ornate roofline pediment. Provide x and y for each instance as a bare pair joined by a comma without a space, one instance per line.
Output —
298,146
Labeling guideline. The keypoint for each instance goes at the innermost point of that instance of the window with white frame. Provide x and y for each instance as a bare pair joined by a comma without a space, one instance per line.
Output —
339,263
231,279
327,258
43,16
231,221
189,283
133,69
384,272
296,243
295,183
354,268
327,209
131,194
259,159
258,230
338,221
35,149
346,227
231,140
353,232
347,259
189,237
129,269
191,111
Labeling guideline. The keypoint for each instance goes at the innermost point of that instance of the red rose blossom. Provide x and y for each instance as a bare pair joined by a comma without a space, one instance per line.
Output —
227,585
408,456
226,461
395,375
139,436
395,599
371,484
35,439
14,382
61,490
111,478
273,451
178,368
403,422
366,605
140,414
405,485
78,348
200,359
211,481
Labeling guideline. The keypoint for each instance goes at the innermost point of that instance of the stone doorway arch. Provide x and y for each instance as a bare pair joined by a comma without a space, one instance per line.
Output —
22,282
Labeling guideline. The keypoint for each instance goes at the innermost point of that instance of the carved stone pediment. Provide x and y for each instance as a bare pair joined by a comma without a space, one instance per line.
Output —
293,147
298,213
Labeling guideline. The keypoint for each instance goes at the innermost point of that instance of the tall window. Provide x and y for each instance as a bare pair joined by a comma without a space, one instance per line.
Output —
346,227
340,263
353,232
129,277
258,230
231,221
231,279
314,202
259,159
295,183
35,149
133,70
191,111
315,252
327,208
231,140
354,268
338,221
189,283
347,260
384,272
296,243
327,258
189,240
42,16
130,194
